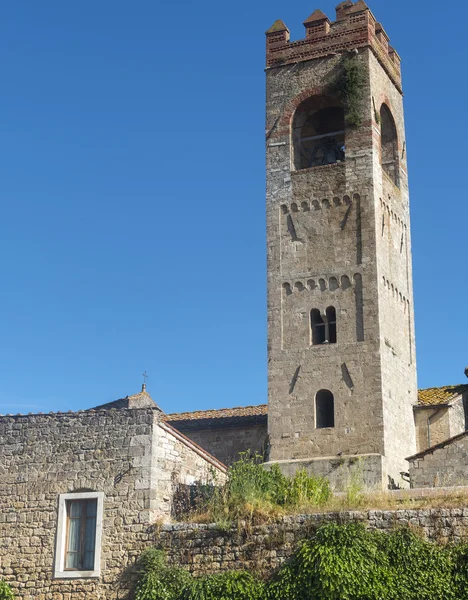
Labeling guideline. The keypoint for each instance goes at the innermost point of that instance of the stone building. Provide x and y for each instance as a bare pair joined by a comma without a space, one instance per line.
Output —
341,351
81,492
443,465
226,433
439,414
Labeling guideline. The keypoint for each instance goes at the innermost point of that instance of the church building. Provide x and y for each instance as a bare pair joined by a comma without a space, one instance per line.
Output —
82,493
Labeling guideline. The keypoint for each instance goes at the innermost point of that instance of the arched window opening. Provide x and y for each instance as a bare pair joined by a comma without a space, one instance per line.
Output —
318,133
318,327
324,410
323,326
331,322
389,145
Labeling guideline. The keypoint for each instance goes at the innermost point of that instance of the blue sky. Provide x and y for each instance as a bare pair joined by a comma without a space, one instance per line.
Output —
132,185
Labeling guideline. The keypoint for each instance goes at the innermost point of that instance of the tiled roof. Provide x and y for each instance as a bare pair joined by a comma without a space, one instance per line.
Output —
441,395
242,414
140,400
221,413
427,397
432,449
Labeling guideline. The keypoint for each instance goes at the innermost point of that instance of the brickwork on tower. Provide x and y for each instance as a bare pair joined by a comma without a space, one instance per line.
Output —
339,250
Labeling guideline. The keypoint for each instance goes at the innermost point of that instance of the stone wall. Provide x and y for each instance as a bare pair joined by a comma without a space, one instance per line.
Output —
225,443
126,454
341,471
439,426
204,549
441,466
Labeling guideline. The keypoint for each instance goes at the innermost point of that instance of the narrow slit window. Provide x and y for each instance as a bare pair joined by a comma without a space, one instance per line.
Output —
324,410
331,323
318,327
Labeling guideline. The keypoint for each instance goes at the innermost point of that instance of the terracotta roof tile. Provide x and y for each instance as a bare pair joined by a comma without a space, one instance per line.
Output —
427,397
220,413
441,395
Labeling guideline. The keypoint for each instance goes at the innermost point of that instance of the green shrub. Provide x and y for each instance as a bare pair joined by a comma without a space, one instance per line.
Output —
255,493
5,591
459,556
157,580
420,570
339,562
232,585
349,87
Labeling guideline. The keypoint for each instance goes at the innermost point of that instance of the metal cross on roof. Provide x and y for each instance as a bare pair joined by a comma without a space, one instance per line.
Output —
145,376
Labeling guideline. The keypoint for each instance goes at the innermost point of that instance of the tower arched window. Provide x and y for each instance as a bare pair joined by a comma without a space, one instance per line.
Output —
318,133
318,327
324,410
323,327
331,322
389,145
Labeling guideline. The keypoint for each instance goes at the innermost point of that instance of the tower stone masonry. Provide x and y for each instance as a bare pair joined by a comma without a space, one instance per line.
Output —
341,349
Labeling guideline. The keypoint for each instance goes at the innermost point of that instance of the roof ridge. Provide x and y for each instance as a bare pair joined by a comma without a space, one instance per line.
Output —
438,446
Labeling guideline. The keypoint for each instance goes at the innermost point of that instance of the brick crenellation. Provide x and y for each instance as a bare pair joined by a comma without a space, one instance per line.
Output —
355,27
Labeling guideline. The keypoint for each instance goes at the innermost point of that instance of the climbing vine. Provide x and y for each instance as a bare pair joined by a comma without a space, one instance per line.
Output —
339,562
349,87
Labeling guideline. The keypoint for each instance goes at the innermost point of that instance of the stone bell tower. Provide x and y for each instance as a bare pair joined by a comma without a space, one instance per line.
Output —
341,351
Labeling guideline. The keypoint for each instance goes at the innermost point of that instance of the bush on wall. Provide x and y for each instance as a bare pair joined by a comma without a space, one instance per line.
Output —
340,562
254,493
5,591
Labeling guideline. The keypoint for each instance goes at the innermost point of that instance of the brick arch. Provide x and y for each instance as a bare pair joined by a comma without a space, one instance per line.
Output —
384,99
293,105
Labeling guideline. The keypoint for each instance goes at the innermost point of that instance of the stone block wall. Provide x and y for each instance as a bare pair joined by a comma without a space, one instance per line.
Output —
341,471
442,466
226,443
204,549
127,454
438,428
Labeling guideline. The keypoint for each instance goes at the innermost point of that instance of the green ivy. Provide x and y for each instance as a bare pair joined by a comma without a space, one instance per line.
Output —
157,580
238,585
5,591
349,87
339,562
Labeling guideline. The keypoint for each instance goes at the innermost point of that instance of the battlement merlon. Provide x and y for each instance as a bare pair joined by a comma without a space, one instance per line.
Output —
355,27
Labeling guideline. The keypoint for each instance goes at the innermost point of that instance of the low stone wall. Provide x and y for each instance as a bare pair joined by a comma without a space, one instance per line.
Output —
205,549
340,471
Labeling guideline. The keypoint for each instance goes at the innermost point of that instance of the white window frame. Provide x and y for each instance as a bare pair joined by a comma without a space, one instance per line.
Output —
60,549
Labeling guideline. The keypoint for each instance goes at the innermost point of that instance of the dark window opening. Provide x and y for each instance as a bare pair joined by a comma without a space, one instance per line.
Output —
81,535
323,326
324,409
318,133
318,327
389,145
331,322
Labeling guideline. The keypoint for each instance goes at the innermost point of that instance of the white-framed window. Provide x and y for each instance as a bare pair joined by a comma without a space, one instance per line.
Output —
79,533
